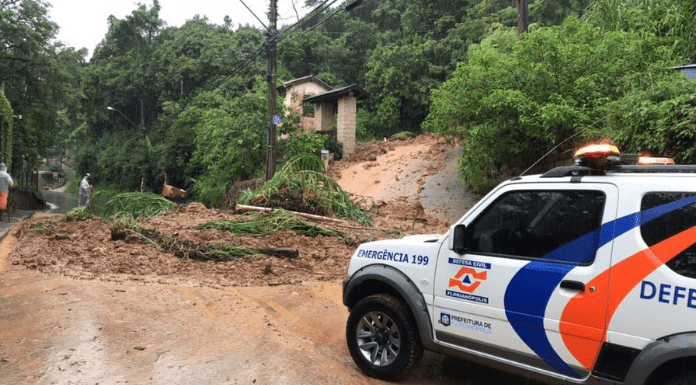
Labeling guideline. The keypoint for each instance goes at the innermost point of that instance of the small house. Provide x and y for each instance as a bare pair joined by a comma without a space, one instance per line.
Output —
295,92
314,105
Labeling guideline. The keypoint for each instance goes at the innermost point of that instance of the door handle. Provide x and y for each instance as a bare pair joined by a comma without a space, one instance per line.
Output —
573,285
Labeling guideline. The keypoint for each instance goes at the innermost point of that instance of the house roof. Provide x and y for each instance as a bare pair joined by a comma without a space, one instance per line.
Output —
305,79
334,95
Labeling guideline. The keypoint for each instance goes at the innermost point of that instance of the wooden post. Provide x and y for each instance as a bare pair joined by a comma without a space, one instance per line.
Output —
271,41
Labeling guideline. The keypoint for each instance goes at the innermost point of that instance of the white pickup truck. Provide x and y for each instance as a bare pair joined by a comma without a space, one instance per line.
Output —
583,275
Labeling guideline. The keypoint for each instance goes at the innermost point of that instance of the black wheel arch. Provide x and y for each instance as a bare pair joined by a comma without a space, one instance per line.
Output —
376,279
662,359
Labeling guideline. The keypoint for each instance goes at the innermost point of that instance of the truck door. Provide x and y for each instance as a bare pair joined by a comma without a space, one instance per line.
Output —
531,250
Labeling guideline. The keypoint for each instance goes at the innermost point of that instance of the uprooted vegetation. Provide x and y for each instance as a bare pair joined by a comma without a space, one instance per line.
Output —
259,224
79,214
302,186
127,229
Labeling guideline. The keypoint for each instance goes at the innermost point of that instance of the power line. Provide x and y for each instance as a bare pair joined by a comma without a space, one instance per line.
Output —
252,12
320,8
289,29
315,25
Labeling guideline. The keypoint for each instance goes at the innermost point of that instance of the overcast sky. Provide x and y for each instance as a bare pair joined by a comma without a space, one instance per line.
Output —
83,23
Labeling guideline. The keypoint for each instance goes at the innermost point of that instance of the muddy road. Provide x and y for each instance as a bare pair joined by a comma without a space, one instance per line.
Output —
87,310
56,330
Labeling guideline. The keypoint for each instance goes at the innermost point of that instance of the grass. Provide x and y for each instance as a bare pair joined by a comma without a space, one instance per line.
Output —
125,221
39,228
304,162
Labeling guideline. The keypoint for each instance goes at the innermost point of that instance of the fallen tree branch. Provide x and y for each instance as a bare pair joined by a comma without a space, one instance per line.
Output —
277,252
202,251
245,208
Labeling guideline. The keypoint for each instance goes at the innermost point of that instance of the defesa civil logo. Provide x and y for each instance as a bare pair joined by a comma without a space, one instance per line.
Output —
466,281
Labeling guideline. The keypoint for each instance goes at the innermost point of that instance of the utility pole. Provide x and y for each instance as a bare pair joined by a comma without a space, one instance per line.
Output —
271,42
522,17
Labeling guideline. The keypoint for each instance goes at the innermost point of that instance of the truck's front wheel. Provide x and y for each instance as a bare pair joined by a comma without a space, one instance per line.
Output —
383,338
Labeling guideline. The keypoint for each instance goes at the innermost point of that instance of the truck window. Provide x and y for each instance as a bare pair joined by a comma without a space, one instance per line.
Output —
530,224
672,223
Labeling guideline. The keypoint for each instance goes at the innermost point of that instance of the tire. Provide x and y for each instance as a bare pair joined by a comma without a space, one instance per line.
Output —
383,338
686,378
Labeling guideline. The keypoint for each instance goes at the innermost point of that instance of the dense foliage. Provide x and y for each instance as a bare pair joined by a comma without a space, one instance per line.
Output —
515,99
190,101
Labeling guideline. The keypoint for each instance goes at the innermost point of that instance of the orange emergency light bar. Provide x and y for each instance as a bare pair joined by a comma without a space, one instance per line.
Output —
647,160
600,151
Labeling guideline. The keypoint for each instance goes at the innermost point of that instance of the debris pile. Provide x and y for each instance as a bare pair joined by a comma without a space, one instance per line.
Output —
193,245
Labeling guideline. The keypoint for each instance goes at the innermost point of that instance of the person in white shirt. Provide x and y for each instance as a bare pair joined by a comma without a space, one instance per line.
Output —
85,190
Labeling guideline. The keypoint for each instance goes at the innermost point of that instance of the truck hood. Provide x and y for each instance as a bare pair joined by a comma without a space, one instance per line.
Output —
408,253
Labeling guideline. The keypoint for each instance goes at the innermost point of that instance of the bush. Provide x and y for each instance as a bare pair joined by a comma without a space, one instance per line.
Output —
334,147
304,144
515,99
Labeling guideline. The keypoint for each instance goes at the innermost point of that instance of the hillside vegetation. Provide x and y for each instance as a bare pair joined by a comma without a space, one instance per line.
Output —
191,100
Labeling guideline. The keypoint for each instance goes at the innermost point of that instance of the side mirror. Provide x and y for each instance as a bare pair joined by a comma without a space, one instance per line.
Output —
458,239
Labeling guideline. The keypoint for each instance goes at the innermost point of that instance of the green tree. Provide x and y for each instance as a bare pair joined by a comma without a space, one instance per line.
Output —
40,77
229,141
399,81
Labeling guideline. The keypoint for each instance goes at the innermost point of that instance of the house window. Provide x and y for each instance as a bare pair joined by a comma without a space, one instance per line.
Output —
308,110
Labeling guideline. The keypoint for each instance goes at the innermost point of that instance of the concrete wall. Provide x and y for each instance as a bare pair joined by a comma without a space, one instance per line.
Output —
347,109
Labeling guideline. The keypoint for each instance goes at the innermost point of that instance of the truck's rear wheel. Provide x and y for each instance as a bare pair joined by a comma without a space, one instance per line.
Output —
687,378
382,337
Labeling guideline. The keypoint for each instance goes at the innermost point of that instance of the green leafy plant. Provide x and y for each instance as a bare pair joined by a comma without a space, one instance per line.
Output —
334,147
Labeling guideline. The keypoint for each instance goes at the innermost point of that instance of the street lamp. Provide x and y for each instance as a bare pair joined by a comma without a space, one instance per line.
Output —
113,109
